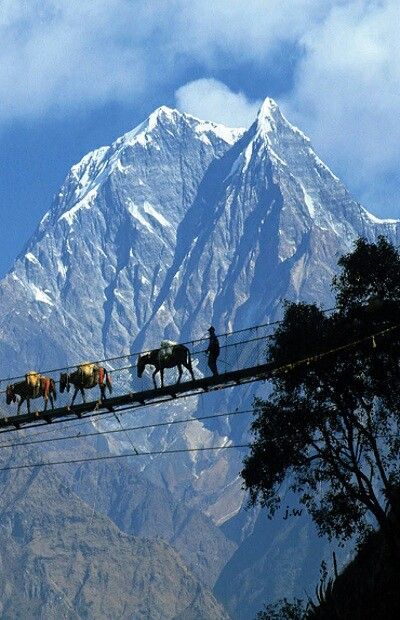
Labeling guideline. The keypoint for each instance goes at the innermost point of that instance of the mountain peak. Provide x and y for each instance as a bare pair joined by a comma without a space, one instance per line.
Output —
162,114
165,118
268,116
141,133
270,120
268,108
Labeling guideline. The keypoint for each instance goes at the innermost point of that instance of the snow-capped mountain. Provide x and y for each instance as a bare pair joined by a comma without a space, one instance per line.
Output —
178,224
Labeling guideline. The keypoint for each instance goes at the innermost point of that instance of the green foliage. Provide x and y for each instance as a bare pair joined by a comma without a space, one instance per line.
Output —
367,588
283,610
331,424
355,285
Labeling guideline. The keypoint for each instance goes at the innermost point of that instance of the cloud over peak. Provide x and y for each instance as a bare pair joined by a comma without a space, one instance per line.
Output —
210,99
62,56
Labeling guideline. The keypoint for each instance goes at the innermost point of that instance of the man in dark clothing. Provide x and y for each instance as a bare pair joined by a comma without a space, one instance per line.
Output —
213,351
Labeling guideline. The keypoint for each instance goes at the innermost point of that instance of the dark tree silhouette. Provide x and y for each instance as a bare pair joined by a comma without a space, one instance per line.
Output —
331,423
283,609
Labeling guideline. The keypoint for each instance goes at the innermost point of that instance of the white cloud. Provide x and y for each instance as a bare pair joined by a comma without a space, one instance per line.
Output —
246,30
212,100
58,55
61,55
55,56
347,94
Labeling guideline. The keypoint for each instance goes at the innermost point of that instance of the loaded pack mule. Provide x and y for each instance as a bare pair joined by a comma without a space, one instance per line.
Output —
86,377
35,385
170,354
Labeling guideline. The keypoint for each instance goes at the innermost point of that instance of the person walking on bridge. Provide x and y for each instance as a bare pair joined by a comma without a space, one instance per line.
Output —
213,351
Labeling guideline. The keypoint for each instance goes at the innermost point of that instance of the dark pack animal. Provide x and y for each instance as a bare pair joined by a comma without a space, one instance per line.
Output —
86,377
34,386
179,356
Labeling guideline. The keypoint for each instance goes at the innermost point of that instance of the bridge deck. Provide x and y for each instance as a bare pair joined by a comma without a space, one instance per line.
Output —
138,399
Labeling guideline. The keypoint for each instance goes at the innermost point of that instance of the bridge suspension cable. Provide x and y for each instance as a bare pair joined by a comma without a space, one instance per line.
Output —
244,374
272,371
124,429
104,457
189,343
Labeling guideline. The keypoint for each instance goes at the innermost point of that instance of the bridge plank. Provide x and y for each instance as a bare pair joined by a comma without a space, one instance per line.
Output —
144,398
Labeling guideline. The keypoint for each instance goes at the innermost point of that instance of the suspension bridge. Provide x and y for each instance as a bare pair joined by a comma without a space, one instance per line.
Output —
243,352
242,360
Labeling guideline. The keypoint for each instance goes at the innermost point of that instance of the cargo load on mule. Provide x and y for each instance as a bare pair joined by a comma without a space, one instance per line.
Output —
85,377
35,385
32,379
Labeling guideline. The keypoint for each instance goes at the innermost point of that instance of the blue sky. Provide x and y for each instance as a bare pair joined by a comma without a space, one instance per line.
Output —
75,75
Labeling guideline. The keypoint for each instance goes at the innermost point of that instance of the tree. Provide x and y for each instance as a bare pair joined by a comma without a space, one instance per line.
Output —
331,423
283,609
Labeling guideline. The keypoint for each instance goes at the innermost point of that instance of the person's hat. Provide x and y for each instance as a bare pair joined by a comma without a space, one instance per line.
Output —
211,329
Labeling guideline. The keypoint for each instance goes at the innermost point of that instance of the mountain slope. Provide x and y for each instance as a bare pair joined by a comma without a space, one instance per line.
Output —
142,509
98,259
178,224
60,559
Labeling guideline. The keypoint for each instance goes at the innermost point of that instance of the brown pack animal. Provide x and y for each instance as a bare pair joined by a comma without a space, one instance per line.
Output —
86,377
35,385
179,356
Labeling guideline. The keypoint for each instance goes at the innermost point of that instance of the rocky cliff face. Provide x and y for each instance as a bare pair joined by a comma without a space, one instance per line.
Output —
143,509
178,224
61,559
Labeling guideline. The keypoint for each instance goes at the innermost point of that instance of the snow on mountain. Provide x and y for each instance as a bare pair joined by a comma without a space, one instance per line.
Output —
178,224
88,280
111,231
